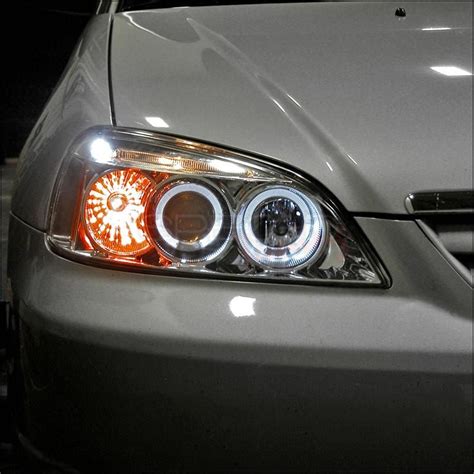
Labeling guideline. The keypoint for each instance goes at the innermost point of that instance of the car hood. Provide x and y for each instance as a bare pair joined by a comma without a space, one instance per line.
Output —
346,93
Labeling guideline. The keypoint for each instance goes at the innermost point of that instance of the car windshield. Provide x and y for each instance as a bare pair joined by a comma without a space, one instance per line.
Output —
127,5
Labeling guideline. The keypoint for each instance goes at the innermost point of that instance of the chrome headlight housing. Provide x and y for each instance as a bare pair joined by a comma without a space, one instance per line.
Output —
152,202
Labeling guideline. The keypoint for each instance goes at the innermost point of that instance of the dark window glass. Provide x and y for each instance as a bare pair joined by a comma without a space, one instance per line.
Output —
127,5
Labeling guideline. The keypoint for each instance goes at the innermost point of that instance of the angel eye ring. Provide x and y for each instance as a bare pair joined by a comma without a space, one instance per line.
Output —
281,228
153,202
192,221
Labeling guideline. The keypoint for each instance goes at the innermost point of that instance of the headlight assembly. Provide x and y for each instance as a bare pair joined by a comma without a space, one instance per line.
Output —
155,203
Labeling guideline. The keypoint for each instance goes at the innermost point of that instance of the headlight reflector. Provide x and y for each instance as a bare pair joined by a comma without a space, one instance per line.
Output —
192,221
280,227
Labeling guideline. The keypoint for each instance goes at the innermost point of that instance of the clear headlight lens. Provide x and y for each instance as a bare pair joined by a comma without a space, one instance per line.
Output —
156,203
279,227
191,221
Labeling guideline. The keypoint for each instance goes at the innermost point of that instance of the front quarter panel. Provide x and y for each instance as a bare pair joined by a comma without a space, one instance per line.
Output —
81,100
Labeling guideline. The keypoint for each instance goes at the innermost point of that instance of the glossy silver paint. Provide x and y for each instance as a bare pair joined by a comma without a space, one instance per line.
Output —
420,324
342,91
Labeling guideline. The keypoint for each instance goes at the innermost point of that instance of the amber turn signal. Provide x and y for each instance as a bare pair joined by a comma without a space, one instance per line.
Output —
114,212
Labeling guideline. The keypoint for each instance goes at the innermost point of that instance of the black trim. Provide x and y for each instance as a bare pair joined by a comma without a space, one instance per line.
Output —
440,202
109,73
131,5
384,215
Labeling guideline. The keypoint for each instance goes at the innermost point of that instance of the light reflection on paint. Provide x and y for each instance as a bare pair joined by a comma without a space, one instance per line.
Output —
451,71
352,159
437,28
157,122
242,306
279,105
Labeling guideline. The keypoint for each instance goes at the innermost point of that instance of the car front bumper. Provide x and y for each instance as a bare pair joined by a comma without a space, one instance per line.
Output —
142,372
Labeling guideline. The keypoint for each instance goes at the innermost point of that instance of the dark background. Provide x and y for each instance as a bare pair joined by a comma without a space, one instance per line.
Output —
37,38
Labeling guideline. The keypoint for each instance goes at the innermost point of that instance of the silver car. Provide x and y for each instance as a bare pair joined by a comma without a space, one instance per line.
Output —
241,240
